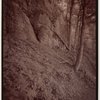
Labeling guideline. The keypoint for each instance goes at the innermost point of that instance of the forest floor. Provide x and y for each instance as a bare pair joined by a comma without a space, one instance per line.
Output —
33,71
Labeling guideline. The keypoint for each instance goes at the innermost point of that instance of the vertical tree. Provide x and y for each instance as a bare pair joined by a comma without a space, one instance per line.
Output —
81,36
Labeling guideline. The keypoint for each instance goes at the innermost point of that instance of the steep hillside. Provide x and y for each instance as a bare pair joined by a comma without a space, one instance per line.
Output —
49,50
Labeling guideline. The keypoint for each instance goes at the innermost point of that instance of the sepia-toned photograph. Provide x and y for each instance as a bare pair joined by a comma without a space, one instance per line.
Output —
49,49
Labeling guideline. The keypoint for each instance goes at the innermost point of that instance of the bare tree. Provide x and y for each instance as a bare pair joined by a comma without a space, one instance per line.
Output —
81,46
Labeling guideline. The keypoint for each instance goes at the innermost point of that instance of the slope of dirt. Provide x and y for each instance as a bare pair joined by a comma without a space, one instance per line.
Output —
33,72
46,56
